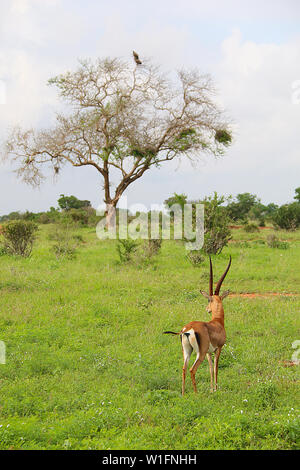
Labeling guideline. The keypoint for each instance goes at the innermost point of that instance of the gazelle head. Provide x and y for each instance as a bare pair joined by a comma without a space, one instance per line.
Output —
215,299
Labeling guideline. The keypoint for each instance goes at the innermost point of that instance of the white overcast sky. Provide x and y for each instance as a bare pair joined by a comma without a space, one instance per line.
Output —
251,49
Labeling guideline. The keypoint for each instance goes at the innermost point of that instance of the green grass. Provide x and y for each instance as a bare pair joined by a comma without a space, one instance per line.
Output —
87,366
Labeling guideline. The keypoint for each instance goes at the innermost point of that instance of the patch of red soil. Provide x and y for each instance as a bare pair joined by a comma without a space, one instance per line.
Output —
241,226
290,363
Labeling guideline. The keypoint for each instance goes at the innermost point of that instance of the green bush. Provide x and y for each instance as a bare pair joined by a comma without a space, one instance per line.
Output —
273,242
3,250
251,227
216,225
44,218
65,242
126,248
81,217
243,206
151,247
19,237
195,257
287,216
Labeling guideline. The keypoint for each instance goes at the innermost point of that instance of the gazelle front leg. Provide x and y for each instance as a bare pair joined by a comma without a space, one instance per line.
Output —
216,363
211,370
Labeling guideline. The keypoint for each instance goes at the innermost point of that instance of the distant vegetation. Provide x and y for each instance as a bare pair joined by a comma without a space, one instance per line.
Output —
241,209
221,214
70,209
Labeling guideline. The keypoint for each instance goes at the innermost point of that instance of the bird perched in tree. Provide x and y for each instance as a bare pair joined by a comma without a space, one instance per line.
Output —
136,58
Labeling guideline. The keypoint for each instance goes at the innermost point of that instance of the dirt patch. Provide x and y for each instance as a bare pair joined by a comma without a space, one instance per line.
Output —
290,363
242,226
253,295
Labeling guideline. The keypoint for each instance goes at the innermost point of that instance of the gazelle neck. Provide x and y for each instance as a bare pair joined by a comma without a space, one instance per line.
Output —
217,311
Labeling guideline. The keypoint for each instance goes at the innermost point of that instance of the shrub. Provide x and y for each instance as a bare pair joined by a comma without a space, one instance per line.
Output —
195,257
243,206
64,250
19,237
3,250
79,216
51,216
79,238
44,218
273,242
126,248
287,216
82,217
152,247
65,244
251,227
216,225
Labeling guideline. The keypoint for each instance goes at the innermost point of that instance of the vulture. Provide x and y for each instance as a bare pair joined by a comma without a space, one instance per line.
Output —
136,58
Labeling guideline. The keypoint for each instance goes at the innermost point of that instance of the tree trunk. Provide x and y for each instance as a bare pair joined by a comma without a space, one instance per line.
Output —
110,214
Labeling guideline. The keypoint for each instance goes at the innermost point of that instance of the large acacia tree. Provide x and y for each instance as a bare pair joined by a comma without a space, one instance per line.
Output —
123,118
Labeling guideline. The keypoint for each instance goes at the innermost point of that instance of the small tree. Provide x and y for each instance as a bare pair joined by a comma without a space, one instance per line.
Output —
65,242
297,195
71,202
18,237
288,216
123,119
180,199
216,225
177,201
80,217
126,248
241,207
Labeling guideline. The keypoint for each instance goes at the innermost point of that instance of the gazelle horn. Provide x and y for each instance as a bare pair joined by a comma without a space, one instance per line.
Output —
218,287
211,278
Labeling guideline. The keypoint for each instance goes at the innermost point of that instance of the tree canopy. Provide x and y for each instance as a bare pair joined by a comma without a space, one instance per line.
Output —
71,202
124,119
297,194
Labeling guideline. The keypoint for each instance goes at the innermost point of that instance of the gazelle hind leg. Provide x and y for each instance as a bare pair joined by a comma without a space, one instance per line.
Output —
199,359
187,351
200,343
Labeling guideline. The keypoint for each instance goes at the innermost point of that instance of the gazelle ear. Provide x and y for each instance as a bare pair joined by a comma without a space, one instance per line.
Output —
205,295
225,294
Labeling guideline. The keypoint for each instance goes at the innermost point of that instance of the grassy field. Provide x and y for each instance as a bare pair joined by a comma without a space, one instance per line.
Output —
87,365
